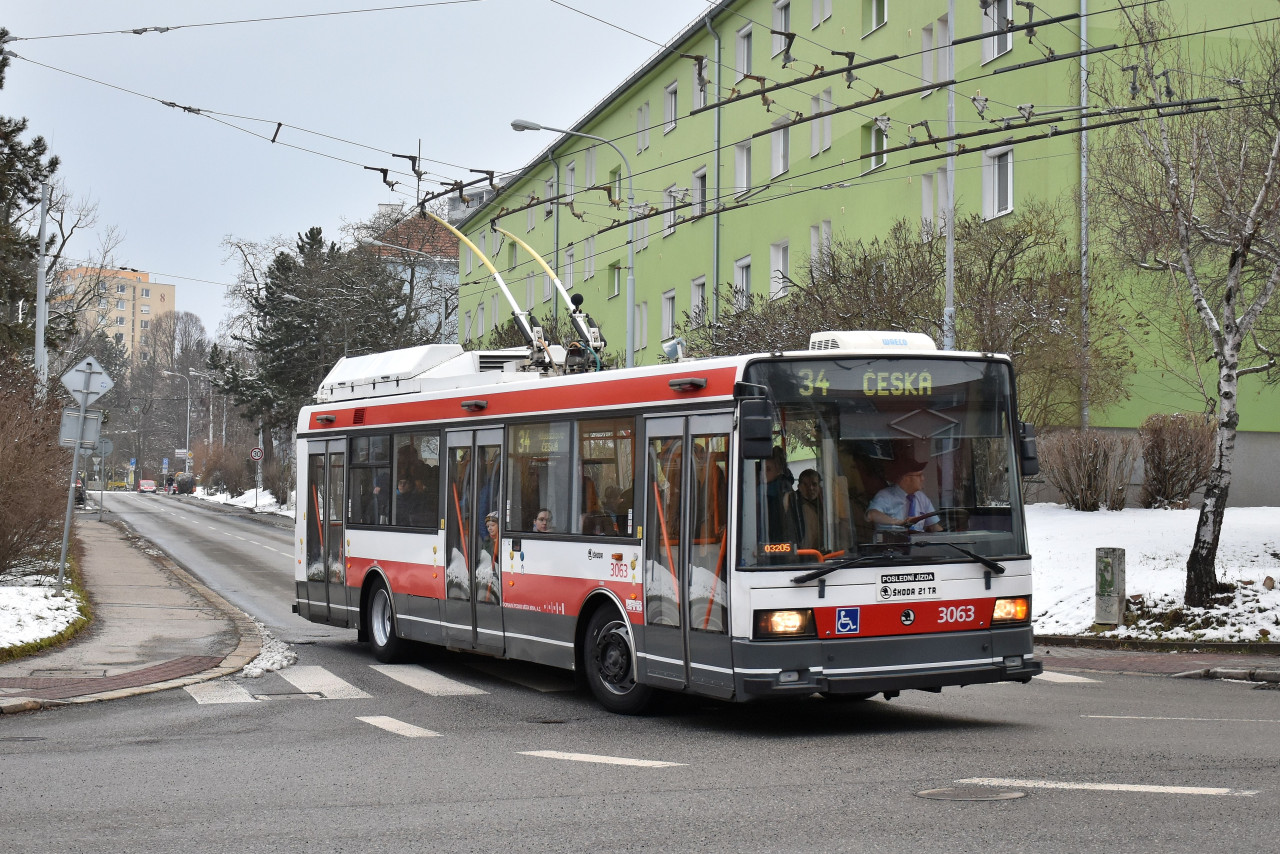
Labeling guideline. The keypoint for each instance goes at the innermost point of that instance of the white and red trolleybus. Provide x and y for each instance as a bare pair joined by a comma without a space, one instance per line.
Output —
706,526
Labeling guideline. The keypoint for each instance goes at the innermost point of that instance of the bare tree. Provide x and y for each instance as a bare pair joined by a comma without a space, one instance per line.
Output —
1191,193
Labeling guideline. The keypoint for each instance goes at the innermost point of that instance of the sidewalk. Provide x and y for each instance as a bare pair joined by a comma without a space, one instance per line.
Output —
156,627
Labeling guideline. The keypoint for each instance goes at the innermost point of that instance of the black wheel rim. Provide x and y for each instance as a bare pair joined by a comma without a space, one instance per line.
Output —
613,658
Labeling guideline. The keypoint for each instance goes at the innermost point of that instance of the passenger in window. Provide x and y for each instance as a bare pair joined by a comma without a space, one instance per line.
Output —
811,517
904,504
380,501
782,523
487,582
542,522
595,522
410,503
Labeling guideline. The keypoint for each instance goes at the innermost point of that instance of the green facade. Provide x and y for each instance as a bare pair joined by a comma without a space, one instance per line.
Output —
825,184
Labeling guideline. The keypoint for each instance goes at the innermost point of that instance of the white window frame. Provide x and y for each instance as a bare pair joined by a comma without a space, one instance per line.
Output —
466,326
615,280
781,23
741,283
144,309
569,261
928,58
120,305
530,217
819,238
642,233
942,35
780,148
820,129
144,324
480,319
698,300
742,167
700,83
642,324
642,127
571,179
670,106
146,293
779,262
997,164
878,141
122,289
743,54
589,167
698,191
1001,42
549,187
670,198
547,289
877,12
493,309
528,291
468,256
821,12
668,314
589,258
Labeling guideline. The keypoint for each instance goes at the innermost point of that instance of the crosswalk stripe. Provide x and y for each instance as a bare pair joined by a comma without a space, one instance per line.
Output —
311,679
425,680
1055,676
219,691
398,727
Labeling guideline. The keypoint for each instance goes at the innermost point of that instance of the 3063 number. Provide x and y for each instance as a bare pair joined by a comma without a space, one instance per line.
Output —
956,614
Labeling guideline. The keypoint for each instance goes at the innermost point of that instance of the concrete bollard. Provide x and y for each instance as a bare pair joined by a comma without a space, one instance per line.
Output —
1109,579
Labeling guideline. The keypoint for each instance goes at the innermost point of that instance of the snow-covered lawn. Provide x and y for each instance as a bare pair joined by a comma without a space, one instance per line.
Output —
1156,544
261,501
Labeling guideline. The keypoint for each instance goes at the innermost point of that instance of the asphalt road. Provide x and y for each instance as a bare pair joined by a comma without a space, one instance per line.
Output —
460,753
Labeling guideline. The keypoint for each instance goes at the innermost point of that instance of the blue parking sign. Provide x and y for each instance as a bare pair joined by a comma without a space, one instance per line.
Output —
846,621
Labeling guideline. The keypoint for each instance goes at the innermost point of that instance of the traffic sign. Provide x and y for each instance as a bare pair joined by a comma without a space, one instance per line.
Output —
106,447
71,429
87,381
256,455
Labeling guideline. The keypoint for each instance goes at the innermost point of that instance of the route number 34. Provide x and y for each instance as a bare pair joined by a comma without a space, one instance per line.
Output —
808,382
956,614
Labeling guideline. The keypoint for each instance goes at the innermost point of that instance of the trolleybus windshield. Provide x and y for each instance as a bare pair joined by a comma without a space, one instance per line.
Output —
883,457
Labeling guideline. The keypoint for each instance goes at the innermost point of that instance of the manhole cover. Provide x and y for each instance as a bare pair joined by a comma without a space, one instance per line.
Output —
970,793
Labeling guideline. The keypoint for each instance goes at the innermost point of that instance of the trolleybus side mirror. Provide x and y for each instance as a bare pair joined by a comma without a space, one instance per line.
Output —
755,426
1029,458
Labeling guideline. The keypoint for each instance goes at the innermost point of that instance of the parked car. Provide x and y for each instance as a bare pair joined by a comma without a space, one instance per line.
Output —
147,486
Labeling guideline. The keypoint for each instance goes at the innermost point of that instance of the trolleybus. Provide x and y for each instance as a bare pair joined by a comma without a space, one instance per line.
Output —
703,526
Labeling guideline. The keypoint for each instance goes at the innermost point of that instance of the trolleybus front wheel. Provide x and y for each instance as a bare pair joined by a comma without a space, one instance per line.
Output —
387,646
610,665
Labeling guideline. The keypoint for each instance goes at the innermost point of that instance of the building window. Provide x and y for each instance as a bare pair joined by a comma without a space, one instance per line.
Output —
102,303
589,257
874,14
122,289
742,167
698,301
615,279
933,197
567,281
528,292
642,234
549,192
670,103
744,51
120,305
781,24
819,240
529,217
699,192
998,183
145,324
484,243
144,309
546,288
119,321
779,269
741,283
670,198
144,356
466,258
700,83
493,312
119,337
821,12
642,325
780,147
146,292
668,314
875,141
615,185
466,326
997,18
642,127
589,167
820,129
571,179
480,320
513,254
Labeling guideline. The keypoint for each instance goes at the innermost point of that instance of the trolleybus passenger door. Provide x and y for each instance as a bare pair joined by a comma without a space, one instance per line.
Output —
686,634
473,562
326,592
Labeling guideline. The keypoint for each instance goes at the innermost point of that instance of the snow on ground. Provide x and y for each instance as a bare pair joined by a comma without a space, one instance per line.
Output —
260,501
1156,544
1062,541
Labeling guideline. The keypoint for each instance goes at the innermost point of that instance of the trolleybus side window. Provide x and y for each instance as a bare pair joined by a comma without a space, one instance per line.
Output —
606,460
370,487
416,500
541,476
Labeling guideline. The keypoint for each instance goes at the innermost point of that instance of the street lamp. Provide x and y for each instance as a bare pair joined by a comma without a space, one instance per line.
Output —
525,124
187,448
210,381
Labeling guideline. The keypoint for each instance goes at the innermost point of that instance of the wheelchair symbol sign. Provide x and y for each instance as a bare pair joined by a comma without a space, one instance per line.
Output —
846,621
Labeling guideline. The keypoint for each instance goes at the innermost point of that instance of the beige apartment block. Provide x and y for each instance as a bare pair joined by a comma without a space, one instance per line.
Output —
127,303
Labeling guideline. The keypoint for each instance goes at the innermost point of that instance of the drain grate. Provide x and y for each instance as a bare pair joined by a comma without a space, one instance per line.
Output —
969,793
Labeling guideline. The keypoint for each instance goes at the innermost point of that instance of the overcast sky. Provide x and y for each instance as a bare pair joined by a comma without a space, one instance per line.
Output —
176,184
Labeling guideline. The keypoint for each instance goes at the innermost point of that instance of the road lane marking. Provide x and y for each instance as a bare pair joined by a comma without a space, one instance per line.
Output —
426,681
312,679
219,691
1055,676
1201,720
1108,787
398,727
603,760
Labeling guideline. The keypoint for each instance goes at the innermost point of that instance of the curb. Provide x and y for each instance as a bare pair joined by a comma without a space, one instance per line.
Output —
1254,675
1088,642
248,646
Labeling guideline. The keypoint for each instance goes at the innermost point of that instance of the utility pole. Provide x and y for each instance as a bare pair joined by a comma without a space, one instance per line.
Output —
42,302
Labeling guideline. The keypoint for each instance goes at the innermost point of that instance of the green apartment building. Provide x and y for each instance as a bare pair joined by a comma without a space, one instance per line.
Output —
738,186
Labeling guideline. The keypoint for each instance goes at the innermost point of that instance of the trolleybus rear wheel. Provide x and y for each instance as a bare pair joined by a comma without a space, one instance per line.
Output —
610,665
387,646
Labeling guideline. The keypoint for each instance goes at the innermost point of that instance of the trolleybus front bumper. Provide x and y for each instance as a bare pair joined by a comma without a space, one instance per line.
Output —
873,665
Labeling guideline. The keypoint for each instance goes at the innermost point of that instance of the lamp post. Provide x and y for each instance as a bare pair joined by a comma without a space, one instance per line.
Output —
186,463
525,124
209,379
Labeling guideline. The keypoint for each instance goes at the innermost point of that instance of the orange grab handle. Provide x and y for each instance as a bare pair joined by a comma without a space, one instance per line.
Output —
662,523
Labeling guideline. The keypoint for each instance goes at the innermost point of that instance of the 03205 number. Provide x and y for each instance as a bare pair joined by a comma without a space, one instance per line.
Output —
956,614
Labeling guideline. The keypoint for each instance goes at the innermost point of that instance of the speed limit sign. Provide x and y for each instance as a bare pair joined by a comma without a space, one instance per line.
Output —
256,455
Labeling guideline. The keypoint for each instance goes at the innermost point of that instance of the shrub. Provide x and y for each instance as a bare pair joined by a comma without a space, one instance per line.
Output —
1177,452
1091,469
277,478
227,469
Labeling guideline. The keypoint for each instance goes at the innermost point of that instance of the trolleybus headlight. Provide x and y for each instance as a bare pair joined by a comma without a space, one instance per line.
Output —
785,624
1014,610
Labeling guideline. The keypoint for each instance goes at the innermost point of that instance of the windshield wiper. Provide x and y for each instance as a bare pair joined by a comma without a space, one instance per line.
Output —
985,561
844,564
